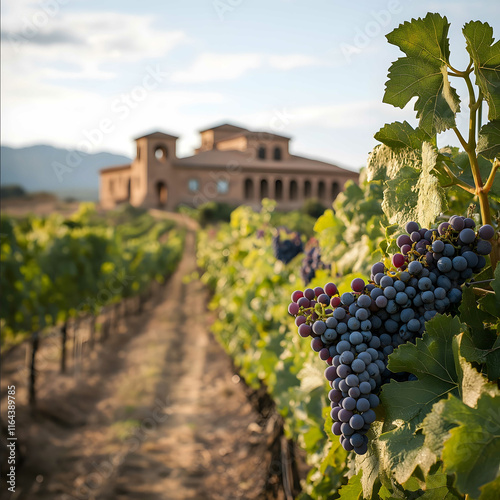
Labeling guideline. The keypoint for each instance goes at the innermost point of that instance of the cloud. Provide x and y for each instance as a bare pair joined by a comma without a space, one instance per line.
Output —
92,40
292,61
210,67
216,67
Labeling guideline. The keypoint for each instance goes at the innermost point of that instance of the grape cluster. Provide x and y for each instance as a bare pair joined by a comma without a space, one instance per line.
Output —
341,331
354,333
286,245
311,263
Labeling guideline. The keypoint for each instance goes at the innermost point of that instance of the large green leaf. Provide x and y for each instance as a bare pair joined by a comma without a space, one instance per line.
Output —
473,448
481,341
488,142
401,135
431,360
423,73
353,489
486,57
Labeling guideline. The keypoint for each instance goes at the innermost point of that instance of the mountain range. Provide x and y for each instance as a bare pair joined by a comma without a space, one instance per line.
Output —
66,173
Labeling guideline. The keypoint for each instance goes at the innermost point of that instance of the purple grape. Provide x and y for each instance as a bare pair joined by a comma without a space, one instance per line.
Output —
486,232
411,227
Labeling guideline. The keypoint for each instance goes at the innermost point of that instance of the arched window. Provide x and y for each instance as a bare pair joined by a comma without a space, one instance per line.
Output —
138,152
307,189
262,153
321,189
335,190
294,190
264,189
278,189
161,153
248,189
277,153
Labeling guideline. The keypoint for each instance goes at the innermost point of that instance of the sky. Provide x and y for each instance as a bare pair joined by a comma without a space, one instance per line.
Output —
92,75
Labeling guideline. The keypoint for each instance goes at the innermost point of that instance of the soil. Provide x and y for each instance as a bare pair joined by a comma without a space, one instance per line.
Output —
154,411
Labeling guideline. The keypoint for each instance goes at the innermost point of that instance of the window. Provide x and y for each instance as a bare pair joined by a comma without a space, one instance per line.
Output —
321,189
193,185
335,190
294,190
307,189
248,189
138,152
262,153
278,190
111,186
161,153
277,153
222,187
264,189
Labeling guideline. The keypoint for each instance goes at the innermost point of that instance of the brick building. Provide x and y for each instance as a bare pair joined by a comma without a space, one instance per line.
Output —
233,165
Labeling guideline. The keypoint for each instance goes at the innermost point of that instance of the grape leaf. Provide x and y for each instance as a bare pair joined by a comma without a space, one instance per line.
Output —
401,135
481,342
353,489
431,360
412,189
473,448
403,450
486,57
423,73
488,141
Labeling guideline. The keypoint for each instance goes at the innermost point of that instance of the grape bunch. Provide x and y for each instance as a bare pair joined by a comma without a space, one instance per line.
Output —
341,331
354,333
286,245
311,263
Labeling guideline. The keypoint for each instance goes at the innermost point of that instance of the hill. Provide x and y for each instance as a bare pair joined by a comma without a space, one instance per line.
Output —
63,172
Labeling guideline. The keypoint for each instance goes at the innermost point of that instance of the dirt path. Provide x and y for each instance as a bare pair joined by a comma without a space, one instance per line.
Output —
156,413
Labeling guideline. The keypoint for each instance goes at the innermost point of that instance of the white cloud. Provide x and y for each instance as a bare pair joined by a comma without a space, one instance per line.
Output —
209,67
292,61
214,67
88,40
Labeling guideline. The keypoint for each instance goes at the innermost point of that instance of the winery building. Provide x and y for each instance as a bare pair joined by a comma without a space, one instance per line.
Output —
232,165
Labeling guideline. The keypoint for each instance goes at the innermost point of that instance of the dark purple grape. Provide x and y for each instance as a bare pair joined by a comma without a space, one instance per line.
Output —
443,227
483,247
469,223
403,239
467,236
486,232
357,285
415,236
457,224
411,227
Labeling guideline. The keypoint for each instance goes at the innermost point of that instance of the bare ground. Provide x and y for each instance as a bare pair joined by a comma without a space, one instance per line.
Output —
154,412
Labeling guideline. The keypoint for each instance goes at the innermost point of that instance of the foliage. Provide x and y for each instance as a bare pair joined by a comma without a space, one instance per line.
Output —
54,269
313,207
436,437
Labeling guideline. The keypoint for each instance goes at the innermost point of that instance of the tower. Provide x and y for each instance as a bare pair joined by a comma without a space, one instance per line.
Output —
151,170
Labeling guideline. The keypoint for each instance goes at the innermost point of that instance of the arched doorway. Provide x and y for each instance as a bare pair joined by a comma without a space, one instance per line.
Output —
161,194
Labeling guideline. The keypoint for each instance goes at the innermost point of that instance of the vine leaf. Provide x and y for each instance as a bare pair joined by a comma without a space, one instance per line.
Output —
401,135
472,447
423,73
463,163
481,341
486,57
431,360
469,449
353,489
412,189
488,142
